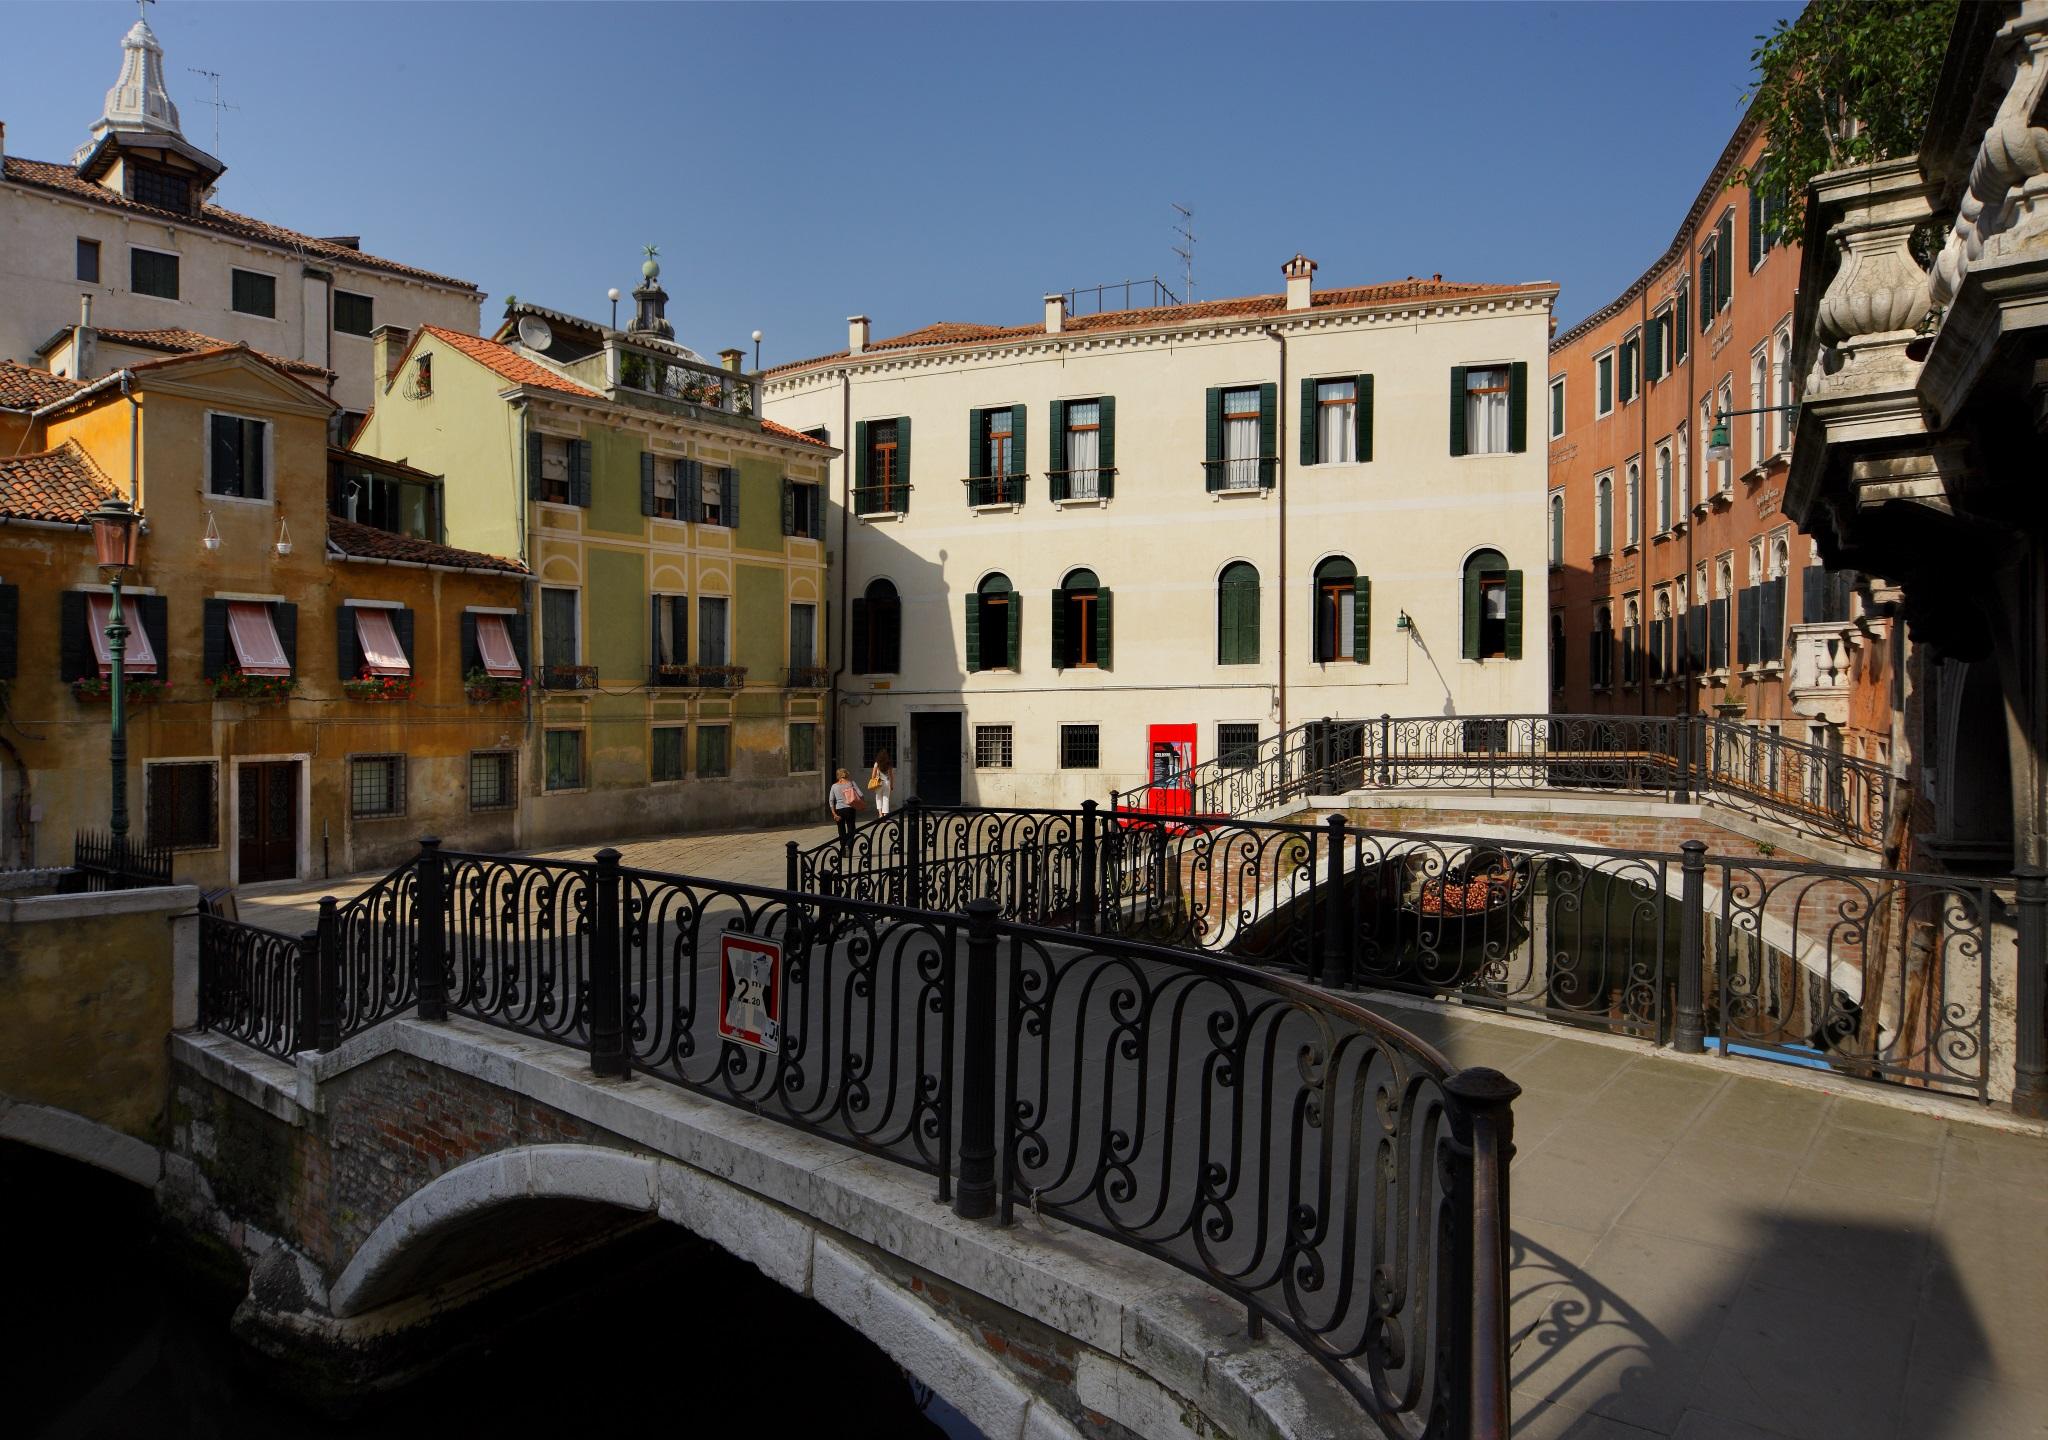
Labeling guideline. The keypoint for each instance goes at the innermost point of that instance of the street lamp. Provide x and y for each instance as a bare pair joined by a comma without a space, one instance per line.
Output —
757,349
613,296
113,543
1717,439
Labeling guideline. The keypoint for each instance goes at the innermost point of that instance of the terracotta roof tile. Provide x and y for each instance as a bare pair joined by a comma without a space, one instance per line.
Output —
64,179
1244,307
508,362
190,342
22,387
61,484
771,428
372,544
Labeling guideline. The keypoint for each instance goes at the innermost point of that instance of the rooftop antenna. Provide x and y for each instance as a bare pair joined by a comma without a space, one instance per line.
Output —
1184,231
216,102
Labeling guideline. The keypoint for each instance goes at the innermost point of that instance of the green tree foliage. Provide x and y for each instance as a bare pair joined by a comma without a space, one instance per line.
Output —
1850,81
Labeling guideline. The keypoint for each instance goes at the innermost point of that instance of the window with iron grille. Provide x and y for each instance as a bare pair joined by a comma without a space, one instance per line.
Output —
1080,747
151,272
254,293
564,759
874,739
376,786
803,748
1237,745
160,188
713,752
183,804
665,754
993,748
353,314
493,779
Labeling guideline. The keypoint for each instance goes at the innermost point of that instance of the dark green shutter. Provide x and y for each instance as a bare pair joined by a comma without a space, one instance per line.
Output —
1363,419
579,473
1518,406
977,448
1514,614
1056,452
973,632
1269,434
1104,629
284,616
1756,226
1361,619
862,654
1212,450
647,483
213,650
1105,448
515,626
1724,267
1681,316
690,476
903,464
1457,409
155,612
533,465
401,622
1016,613
1706,288
74,642
1020,464
1469,642
860,465
348,648
1628,370
1309,428
729,496
471,659
1059,628
788,507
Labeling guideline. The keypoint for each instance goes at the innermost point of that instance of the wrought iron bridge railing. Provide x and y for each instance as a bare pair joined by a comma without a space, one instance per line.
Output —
1324,1168
1681,757
114,862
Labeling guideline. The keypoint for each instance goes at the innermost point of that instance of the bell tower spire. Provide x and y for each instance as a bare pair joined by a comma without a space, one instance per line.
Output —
138,99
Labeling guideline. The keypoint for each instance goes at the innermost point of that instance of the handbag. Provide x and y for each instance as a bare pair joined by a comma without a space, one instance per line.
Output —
874,782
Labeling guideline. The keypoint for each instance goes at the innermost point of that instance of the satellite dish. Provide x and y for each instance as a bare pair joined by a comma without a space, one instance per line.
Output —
534,333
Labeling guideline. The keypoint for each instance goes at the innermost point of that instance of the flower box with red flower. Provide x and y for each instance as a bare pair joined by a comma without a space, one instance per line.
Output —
135,690
233,684
378,688
483,687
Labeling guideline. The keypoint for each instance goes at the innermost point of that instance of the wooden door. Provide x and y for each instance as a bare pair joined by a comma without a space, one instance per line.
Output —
267,820
935,747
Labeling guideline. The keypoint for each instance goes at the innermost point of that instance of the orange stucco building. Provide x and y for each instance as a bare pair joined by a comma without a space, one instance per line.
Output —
1677,582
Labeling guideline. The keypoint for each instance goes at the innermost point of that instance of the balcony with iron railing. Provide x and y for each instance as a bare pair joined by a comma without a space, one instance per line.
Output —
661,676
568,677
692,382
808,677
1095,482
1238,476
991,492
886,499
718,677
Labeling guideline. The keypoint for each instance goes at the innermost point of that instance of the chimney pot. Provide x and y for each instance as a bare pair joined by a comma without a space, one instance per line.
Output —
856,334
1301,275
387,348
730,359
1055,314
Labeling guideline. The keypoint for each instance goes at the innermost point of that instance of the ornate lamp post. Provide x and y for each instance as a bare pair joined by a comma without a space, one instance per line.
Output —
113,541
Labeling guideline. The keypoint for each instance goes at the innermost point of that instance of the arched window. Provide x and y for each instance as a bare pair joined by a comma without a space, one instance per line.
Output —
877,630
1784,398
994,621
1556,650
1557,529
1492,608
1601,645
1603,515
1237,615
1631,641
1632,505
1080,623
1661,638
1665,498
1343,613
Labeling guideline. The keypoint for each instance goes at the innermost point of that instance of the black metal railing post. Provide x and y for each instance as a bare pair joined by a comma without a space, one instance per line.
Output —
1689,1033
431,899
327,1002
913,855
2030,995
789,867
974,1197
307,1021
1335,964
1483,1129
1088,876
1386,750
607,995
1682,789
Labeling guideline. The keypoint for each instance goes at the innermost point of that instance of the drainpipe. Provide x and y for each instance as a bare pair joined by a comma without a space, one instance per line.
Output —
845,554
1280,497
1646,475
134,441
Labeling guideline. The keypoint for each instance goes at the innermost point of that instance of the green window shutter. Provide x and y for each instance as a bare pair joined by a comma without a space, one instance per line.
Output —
1706,290
729,496
1518,406
1059,628
533,464
1726,268
1628,371
1361,619
1364,417
1514,614
788,507
1104,629
1105,447
861,655
1212,450
1306,421
1248,625
1056,452
1469,646
1457,409
860,458
1237,623
973,632
1756,226
903,464
647,483
1681,319
691,479
1019,464
284,618
977,447
579,472
1653,353
1269,435
1016,609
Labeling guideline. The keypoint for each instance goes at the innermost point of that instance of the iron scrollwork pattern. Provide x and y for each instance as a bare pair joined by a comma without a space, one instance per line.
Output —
250,983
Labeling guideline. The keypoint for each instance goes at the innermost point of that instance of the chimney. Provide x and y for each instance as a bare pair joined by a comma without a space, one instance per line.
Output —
1055,314
84,339
856,334
387,348
730,359
1301,274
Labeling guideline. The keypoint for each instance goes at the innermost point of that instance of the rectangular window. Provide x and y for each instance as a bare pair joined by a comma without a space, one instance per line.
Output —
376,786
493,779
161,189
1241,439
803,637
151,272
564,759
252,635
1080,747
803,748
1237,745
874,740
1084,450
883,491
235,459
557,483
1493,615
711,617
1486,410
1631,367
386,502
1336,624
666,475
713,759
253,292
1603,375
561,642
1557,408
669,627
494,647
1603,515
993,749
1336,422
998,444
89,261
805,520
711,485
352,313
665,753
183,804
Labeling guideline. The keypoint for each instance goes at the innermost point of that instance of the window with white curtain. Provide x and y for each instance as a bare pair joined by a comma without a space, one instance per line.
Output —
1336,422
1084,449
1486,411
1241,439
1665,495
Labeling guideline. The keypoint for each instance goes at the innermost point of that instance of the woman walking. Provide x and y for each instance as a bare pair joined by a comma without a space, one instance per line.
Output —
843,800
882,780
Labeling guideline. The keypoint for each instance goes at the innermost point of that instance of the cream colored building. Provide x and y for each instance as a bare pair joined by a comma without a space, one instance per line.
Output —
1109,541
128,222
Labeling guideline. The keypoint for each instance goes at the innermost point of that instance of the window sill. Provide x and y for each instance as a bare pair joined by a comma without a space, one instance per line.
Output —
1631,548
1603,557
1661,536
1719,500
880,517
215,498
1083,501
1000,507
1235,491
1602,414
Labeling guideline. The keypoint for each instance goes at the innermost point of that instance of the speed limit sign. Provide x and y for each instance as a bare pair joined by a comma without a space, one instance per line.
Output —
750,992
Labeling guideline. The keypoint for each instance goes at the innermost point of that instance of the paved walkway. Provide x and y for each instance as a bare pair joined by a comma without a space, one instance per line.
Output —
1705,1249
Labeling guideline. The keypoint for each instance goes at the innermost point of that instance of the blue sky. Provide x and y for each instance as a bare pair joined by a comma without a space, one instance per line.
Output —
800,163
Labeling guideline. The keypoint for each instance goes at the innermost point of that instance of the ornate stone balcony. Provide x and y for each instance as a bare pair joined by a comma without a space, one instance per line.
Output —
1824,662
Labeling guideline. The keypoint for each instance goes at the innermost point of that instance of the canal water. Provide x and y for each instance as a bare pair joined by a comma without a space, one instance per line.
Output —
661,1334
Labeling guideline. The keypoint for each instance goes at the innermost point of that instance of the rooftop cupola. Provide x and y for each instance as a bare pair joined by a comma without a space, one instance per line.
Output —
650,316
139,100
140,121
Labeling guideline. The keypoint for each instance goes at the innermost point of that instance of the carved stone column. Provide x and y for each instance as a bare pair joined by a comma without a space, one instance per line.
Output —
1878,296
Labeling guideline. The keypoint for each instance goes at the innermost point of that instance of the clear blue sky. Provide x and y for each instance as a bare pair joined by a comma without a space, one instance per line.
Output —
800,163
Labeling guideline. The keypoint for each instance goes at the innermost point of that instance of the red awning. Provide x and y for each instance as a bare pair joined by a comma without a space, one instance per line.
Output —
382,654
257,648
494,645
137,658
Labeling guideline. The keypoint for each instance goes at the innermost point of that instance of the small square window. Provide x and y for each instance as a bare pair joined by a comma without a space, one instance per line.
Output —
666,759
182,802
803,748
352,313
1237,745
565,759
254,293
874,740
89,261
151,272
993,748
1080,747
236,457
713,759
493,779
376,786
